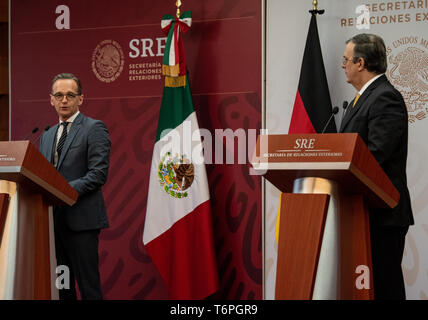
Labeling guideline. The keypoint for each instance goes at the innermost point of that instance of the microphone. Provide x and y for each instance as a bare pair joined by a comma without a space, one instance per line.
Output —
31,133
333,112
40,135
344,106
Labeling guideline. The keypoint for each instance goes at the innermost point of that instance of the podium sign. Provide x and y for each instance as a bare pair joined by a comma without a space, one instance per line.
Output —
339,157
22,163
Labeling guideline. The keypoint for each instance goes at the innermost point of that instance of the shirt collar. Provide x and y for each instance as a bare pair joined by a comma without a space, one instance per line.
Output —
369,83
72,118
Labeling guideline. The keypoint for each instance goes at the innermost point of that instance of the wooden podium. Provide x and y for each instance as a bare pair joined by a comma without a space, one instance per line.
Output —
28,185
328,182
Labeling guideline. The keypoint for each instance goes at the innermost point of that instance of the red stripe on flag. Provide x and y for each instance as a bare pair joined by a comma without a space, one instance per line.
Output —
300,122
176,49
185,256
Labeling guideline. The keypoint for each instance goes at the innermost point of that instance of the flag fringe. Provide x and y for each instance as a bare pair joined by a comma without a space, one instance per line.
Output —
171,71
175,82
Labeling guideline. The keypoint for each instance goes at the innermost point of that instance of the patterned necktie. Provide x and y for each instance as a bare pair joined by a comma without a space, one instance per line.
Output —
62,138
356,99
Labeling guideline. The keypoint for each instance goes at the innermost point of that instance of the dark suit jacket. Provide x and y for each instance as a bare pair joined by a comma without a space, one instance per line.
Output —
380,117
84,163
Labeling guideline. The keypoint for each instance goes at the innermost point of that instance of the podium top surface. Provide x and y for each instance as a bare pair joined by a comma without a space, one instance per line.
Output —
342,157
22,163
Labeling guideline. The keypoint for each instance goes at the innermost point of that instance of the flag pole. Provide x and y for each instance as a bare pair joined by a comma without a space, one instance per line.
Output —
178,5
315,8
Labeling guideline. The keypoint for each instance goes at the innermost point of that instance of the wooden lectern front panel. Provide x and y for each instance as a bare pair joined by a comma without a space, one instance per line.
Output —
24,251
356,272
42,267
302,223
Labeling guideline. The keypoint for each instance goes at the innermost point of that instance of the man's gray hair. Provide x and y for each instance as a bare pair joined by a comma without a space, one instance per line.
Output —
71,76
372,49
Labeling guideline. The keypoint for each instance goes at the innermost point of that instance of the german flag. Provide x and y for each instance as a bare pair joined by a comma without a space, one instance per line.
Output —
312,106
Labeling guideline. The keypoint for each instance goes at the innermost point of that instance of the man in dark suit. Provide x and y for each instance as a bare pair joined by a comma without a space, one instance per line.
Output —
79,148
379,114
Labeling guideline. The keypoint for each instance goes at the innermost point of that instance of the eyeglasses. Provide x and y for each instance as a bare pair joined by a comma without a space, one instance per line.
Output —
345,60
70,96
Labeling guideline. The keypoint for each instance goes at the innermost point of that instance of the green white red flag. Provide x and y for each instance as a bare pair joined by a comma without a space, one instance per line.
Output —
178,227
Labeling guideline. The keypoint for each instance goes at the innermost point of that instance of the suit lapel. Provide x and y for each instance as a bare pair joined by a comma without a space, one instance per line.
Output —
354,110
49,143
75,127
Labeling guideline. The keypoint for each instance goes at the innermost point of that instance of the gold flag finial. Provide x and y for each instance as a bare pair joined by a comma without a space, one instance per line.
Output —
315,3
178,4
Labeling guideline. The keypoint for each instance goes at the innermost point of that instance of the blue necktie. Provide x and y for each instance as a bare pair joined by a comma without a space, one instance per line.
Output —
62,139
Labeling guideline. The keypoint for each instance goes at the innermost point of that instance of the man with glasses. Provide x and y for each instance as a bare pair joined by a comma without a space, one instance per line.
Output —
79,148
379,114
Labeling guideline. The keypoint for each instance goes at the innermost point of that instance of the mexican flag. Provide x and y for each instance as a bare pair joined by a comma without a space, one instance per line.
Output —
178,227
